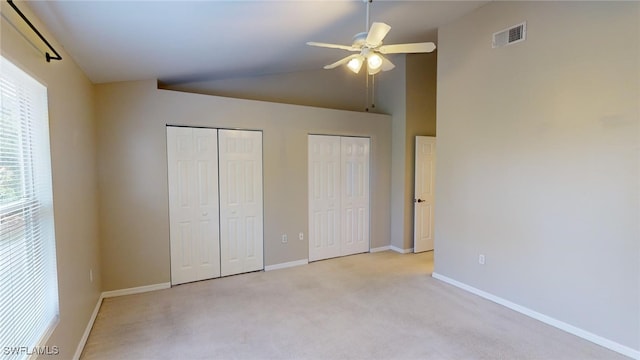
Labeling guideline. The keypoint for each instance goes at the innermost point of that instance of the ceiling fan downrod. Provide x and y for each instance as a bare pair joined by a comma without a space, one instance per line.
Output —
366,25
366,29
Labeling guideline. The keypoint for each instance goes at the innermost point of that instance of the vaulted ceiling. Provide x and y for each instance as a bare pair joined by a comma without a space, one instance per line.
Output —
181,41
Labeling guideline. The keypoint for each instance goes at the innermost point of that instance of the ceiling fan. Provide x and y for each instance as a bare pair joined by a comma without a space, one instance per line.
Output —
370,49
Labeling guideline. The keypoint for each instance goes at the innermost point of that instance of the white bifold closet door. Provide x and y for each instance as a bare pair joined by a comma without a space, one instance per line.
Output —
241,219
338,196
354,161
324,197
215,202
192,156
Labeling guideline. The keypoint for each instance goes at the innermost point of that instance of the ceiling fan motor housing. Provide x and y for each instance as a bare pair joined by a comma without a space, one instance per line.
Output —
359,40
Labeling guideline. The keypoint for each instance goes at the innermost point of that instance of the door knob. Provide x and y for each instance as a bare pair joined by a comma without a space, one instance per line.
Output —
418,200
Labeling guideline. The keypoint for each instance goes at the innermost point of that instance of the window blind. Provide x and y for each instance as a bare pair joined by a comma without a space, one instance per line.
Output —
28,280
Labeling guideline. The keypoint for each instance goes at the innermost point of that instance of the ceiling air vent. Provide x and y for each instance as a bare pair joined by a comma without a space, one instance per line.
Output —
509,36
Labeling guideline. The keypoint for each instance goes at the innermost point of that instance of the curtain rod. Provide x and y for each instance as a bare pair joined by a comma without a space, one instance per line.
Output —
47,55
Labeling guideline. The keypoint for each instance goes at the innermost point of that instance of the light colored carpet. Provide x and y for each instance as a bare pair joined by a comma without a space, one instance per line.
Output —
370,306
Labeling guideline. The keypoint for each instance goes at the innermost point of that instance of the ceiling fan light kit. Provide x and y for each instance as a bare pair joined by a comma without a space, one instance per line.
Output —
355,64
374,62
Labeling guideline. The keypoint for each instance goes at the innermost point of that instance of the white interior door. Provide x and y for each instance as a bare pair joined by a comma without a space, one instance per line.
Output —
424,186
324,197
192,159
355,195
241,218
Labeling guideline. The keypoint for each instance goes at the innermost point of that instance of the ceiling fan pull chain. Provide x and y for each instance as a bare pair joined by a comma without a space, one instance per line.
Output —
373,91
366,94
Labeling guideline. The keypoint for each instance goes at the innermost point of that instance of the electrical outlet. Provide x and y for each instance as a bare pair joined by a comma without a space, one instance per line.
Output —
481,259
285,239
301,236
91,275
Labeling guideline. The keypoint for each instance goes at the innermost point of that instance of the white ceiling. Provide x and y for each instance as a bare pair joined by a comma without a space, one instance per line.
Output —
183,41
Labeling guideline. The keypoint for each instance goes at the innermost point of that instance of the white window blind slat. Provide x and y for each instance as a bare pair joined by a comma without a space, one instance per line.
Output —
28,276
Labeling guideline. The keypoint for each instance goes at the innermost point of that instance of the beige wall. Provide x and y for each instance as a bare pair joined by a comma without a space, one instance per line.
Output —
334,89
421,120
73,161
133,182
538,162
421,95
391,99
409,94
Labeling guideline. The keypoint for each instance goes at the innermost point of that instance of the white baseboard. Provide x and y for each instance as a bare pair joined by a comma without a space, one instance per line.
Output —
401,251
87,330
379,249
286,265
135,290
609,344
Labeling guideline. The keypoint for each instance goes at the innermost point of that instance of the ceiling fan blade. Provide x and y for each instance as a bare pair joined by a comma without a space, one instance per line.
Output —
425,47
377,33
332,46
386,64
341,61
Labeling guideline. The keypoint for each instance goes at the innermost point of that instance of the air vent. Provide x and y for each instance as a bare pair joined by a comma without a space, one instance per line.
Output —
512,35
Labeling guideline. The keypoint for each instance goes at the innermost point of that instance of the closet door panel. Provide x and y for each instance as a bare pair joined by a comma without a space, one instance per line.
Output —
324,197
192,163
241,217
355,195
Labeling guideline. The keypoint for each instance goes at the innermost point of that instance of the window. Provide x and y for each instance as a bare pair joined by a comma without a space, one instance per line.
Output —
28,280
